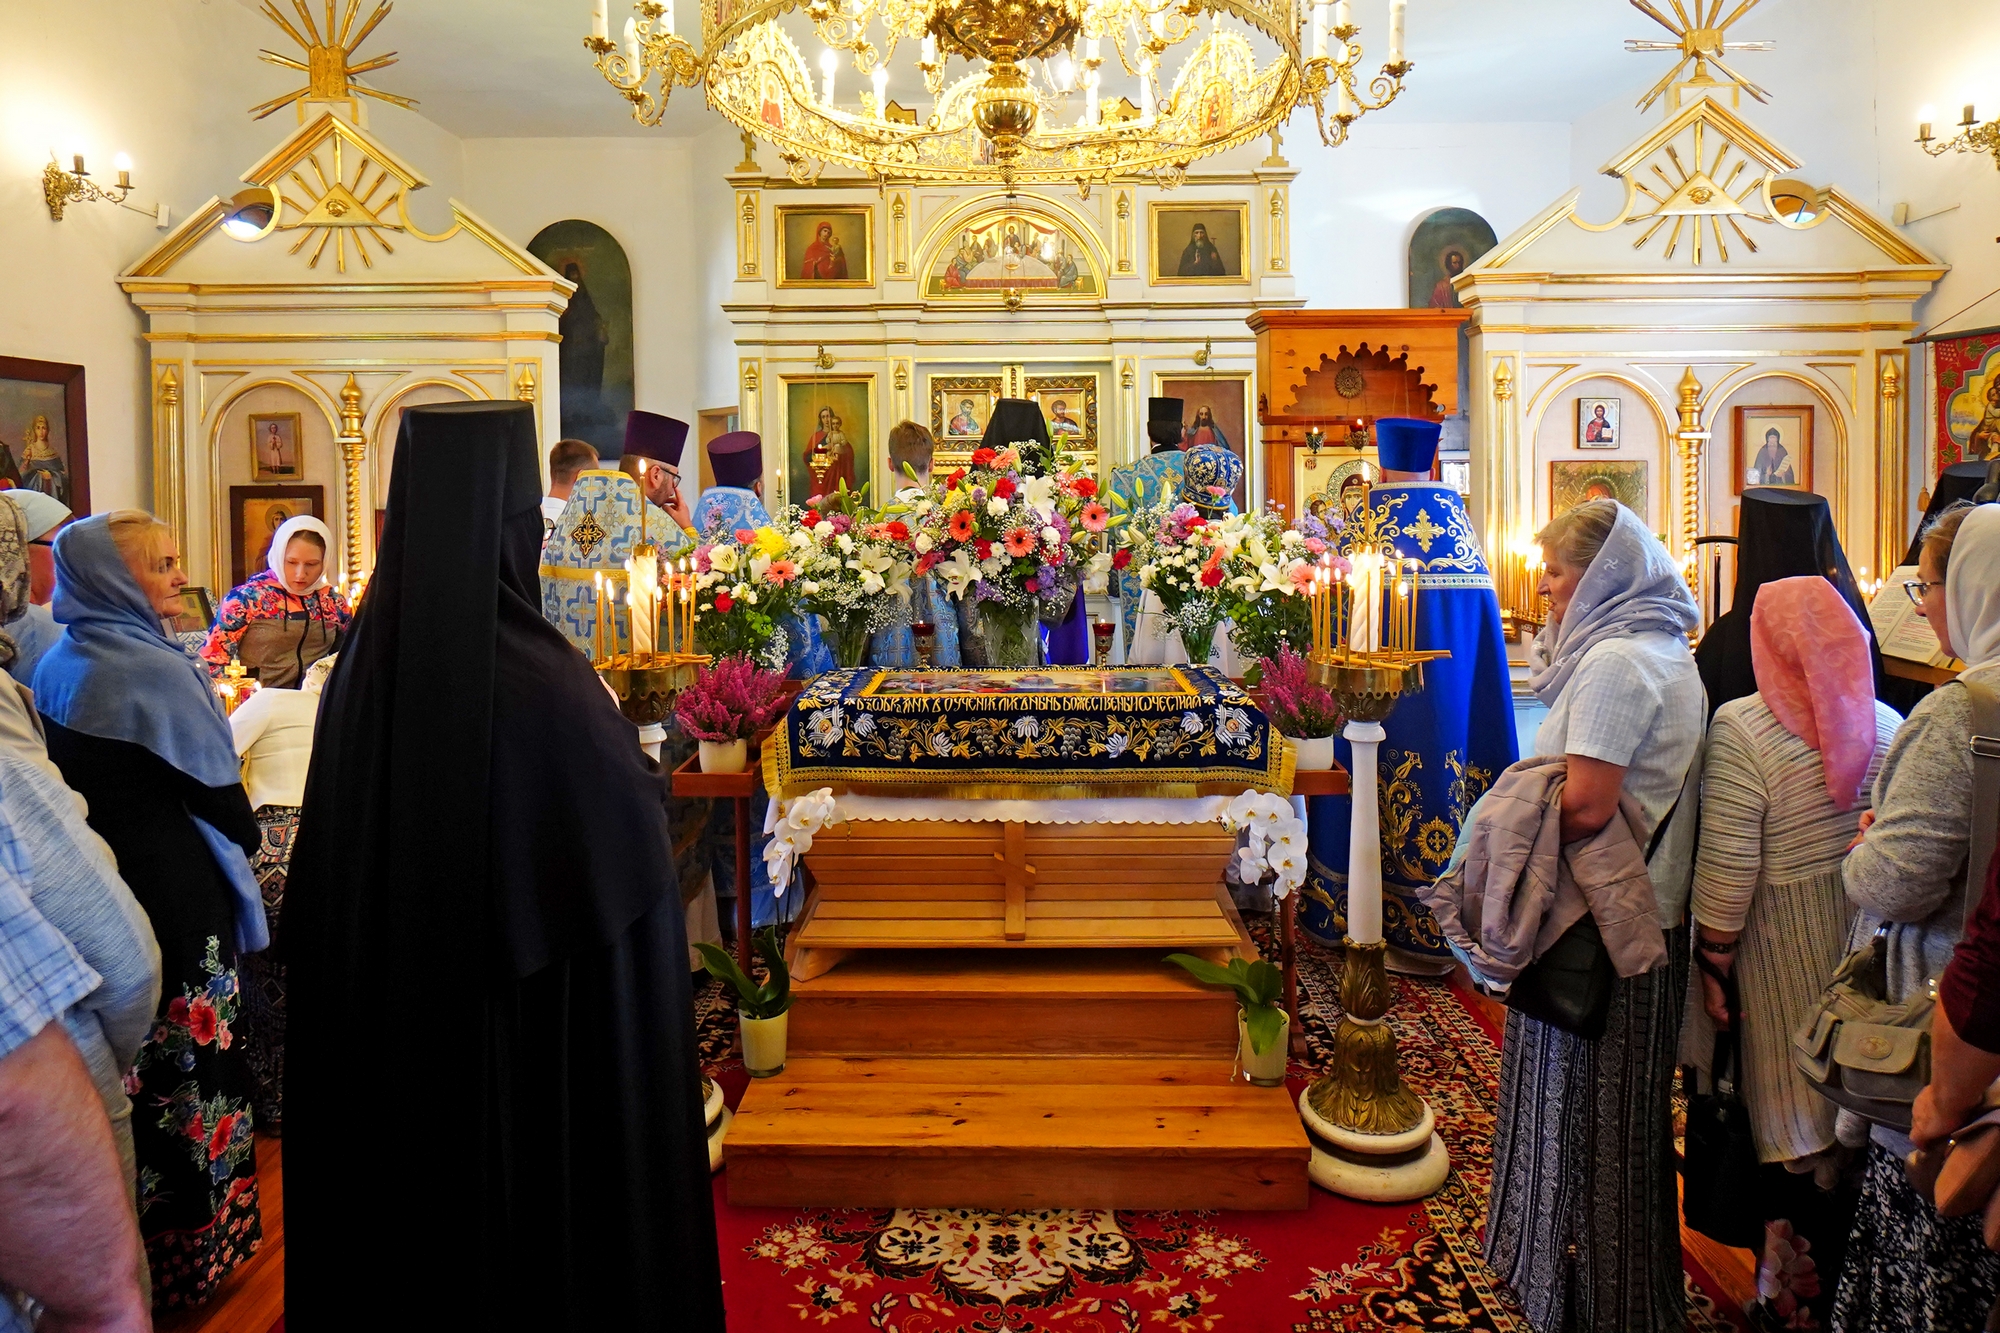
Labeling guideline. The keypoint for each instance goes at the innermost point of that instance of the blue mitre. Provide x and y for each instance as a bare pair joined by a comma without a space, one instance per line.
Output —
1209,479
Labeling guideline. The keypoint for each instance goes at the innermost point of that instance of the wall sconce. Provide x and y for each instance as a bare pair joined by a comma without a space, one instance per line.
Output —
1972,137
1207,351
62,188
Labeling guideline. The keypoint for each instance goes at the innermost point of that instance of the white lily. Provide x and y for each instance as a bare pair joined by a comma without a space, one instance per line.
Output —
722,558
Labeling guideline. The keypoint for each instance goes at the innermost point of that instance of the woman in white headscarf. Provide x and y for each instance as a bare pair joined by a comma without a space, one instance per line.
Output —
1585,1222
285,617
1906,1267
274,737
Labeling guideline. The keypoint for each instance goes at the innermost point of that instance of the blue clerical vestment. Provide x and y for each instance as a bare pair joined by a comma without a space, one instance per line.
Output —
1154,479
1445,744
727,509
595,535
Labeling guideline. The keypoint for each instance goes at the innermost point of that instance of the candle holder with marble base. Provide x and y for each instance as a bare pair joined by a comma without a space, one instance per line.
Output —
1373,1138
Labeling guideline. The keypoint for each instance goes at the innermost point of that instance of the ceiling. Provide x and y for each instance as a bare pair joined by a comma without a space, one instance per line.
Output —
518,68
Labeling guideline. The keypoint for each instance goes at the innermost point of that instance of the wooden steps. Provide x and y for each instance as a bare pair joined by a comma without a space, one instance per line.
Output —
1031,1078
946,1133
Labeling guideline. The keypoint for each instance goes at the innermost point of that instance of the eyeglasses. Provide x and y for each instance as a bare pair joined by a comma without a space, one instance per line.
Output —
1915,589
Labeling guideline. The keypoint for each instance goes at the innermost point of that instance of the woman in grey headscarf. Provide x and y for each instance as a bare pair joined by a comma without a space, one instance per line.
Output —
1584,1222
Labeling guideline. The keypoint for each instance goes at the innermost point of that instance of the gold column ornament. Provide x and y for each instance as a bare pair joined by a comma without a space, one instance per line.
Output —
899,232
1691,437
746,233
1502,502
1892,464
525,387
169,452
353,452
823,358
1124,231
1277,240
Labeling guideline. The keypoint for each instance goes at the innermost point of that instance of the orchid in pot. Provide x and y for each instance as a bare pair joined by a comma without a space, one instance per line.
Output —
1261,1022
853,570
761,1008
1304,712
728,703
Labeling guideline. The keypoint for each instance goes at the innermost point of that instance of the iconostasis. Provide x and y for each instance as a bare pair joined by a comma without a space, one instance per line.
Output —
856,308
289,327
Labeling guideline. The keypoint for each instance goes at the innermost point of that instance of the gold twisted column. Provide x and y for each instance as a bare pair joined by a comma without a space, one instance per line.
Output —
1691,438
353,452
169,453
1892,465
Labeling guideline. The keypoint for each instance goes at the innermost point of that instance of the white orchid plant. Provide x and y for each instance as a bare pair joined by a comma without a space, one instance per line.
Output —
1275,841
793,826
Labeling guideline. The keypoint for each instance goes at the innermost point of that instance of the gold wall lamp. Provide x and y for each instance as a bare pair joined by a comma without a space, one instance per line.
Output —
62,188
1972,137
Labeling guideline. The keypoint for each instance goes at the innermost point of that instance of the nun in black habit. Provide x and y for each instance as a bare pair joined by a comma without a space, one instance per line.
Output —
494,1115
1780,534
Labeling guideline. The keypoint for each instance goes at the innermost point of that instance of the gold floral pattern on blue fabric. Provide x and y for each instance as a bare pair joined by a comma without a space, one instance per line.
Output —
1410,517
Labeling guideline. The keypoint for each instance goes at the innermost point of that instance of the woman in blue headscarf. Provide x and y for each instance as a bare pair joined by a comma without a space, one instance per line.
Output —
137,732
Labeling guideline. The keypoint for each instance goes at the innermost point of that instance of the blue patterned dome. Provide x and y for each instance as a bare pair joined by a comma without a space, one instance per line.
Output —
1210,478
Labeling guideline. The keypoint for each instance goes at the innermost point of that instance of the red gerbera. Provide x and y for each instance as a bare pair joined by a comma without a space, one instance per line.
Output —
201,1021
1084,487
961,525
724,603
1020,541
1121,557
1003,489
983,457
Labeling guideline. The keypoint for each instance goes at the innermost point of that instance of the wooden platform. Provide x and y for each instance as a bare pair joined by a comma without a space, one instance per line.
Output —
1033,1078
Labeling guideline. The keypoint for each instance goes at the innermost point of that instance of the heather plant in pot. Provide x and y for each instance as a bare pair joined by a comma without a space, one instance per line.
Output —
728,703
1299,709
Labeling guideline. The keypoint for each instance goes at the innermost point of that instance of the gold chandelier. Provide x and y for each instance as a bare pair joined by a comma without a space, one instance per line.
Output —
1029,107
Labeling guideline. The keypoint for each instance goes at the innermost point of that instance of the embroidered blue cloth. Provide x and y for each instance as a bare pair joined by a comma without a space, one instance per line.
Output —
116,675
1053,733
596,533
895,646
1445,744
724,509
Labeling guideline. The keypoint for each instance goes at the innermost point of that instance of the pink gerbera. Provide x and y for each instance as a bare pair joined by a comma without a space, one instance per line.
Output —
1020,541
1095,517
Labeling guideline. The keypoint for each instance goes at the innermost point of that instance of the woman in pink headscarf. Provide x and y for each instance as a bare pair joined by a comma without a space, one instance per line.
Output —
1786,780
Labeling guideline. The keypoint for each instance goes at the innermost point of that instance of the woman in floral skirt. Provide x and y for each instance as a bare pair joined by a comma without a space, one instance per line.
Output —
136,731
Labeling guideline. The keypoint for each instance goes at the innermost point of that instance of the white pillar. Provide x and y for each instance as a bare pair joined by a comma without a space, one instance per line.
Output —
1364,836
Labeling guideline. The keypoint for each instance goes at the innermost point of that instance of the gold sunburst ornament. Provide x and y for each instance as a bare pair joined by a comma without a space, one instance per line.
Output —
329,48
1701,35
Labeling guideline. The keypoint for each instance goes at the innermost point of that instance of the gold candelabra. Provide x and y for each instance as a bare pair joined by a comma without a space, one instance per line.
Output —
658,658
62,188
1034,106
1972,137
1517,578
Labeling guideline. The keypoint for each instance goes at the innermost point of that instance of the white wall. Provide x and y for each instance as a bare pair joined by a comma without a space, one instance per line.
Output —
168,82
1354,207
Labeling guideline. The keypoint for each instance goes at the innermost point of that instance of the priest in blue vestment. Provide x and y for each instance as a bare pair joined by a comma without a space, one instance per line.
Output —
1148,482
1447,742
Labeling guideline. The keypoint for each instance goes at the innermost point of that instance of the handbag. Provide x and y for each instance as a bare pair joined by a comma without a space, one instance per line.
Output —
1570,985
1859,1051
1720,1192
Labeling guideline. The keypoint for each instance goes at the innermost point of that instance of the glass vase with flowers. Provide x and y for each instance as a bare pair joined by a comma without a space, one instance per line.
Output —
746,584
853,570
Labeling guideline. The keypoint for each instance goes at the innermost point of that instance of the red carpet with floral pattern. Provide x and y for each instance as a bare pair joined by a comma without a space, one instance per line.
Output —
1339,1265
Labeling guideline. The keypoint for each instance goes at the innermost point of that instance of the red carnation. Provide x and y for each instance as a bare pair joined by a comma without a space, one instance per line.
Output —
924,564
218,1142
898,530
1211,578
201,1022
1084,487
724,603
812,518
951,482
1121,557
983,549
983,457
1003,489
745,536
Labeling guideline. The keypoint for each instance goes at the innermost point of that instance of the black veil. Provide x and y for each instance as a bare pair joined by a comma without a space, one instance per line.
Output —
1780,534
494,1092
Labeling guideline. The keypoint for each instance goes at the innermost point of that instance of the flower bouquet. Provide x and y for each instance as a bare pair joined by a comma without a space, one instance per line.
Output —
1267,580
1305,712
728,703
853,569
1019,545
1180,561
745,587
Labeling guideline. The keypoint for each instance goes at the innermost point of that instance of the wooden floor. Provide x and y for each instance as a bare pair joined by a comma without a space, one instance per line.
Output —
253,1298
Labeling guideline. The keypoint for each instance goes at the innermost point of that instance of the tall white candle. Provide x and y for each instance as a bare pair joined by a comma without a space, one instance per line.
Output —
930,51
1146,91
1319,32
1396,8
600,22
828,62
1342,16
1343,102
643,602
667,19
632,44
1364,836
881,79
1090,111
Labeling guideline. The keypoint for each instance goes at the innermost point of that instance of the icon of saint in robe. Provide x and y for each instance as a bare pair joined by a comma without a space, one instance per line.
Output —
1773,464
824,260
1200,259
